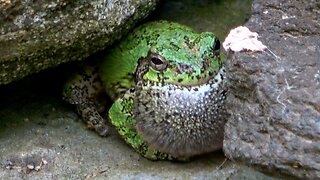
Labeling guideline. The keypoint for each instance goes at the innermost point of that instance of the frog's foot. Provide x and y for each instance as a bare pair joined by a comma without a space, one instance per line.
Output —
85,91
91,116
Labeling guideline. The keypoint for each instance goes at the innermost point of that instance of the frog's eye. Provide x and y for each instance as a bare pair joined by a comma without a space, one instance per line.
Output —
216,47
157,62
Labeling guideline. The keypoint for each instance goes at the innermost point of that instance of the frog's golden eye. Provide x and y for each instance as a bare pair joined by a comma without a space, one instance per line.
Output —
216,47
157,62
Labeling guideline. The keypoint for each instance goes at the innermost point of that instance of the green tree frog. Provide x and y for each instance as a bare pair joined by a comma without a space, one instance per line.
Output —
168,85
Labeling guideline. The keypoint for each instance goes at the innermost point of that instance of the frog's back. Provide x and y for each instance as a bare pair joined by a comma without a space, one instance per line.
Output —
118,66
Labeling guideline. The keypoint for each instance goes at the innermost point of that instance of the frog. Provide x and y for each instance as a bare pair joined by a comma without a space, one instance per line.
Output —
168,87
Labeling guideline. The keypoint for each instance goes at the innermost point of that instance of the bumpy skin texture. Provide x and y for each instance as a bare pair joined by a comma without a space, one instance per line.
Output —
168,84
84,90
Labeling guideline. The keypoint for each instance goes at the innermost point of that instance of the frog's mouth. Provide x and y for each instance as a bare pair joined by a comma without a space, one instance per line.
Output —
178,120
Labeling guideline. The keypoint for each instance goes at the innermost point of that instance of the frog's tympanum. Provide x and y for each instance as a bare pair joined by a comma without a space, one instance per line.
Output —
168,86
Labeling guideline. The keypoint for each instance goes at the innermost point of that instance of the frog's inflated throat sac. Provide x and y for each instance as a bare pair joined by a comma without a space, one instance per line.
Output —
180,120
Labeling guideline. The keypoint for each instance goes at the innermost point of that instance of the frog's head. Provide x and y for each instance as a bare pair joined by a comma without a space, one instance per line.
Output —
180,90
183,57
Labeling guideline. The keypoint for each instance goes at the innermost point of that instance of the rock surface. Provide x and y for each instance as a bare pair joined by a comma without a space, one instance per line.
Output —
36,126
274,103
35,36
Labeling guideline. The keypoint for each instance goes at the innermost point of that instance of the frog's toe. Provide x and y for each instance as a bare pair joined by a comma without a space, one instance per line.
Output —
93,119
103,130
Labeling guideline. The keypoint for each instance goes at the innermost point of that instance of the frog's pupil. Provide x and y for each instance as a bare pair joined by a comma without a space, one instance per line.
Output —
156,61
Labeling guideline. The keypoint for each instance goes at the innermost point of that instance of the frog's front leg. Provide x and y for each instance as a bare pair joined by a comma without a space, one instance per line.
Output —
83,90
122,117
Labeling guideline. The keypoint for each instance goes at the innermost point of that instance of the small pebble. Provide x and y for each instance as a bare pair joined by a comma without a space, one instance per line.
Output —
44,162
9,165
37,168
30,166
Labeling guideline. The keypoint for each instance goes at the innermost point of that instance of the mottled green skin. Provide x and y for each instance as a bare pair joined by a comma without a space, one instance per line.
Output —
121,116
191,59
178,44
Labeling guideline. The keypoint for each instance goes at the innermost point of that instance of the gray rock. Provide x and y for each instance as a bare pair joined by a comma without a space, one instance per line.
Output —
35,36
274,103
37,127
